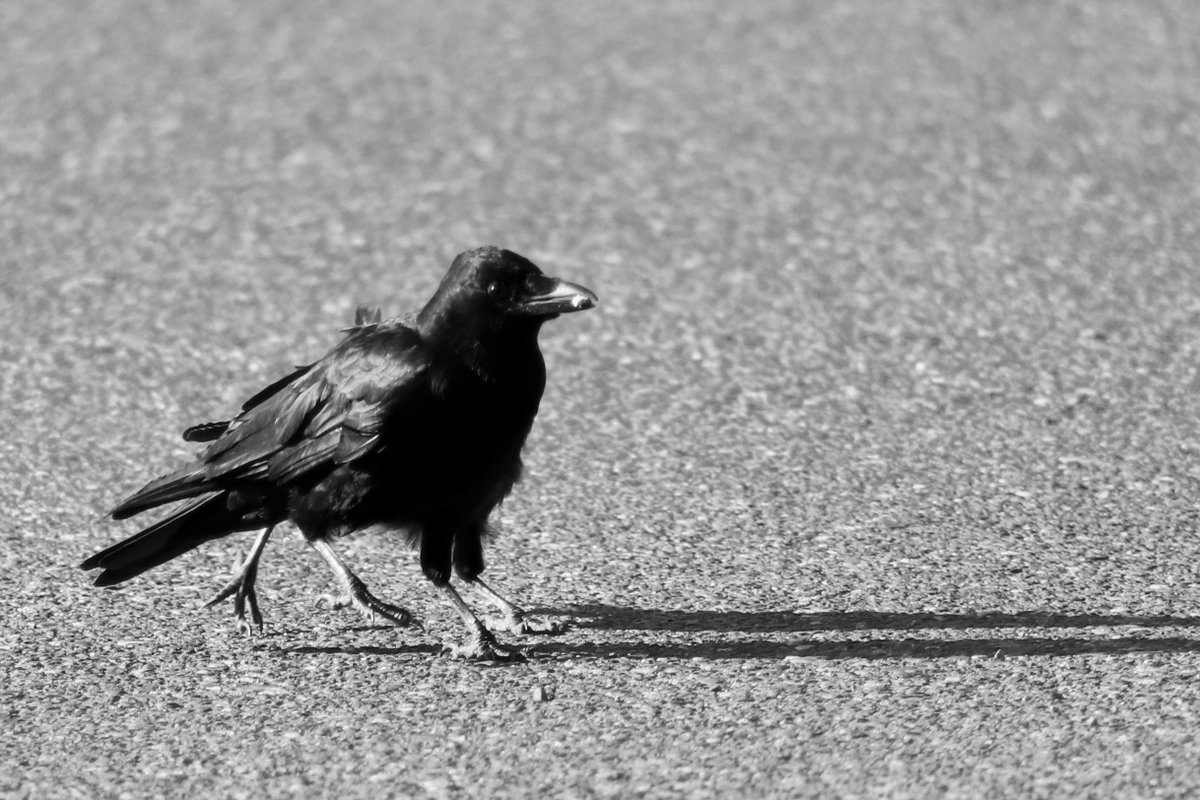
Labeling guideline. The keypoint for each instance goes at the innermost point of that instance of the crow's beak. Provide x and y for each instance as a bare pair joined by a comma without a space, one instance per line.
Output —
552,296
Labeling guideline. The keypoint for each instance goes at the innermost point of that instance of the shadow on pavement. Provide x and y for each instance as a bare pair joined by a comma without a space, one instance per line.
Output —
600,617
749,623
654,619
871,648
354,650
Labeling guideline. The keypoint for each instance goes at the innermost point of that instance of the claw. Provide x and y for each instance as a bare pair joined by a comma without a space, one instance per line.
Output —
241,588
370,607
522,625
226,591
484,648
335,602
247,596
356,593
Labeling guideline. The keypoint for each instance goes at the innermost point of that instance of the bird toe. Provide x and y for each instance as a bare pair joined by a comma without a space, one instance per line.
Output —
523,625
484,650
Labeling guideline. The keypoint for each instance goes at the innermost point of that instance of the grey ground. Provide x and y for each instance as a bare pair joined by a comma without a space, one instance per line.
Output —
874,475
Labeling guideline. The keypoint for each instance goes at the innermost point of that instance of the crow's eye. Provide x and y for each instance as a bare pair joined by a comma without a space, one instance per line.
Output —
493,289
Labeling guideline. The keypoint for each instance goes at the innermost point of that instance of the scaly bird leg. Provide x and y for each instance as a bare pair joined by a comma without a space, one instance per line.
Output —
514,619
355,591
241,586
481,645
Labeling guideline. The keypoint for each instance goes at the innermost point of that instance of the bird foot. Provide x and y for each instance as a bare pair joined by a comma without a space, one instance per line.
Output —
521,624
370,607
242,590
483,648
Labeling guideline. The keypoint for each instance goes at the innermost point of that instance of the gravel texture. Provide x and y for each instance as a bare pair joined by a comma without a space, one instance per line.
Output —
873,475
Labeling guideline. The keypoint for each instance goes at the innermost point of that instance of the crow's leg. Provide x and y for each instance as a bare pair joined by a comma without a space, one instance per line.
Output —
480,645
514,619
355,591
468,564
241,586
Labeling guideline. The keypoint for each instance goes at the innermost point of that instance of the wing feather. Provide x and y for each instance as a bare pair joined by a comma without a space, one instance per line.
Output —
326,414
353,445
292,462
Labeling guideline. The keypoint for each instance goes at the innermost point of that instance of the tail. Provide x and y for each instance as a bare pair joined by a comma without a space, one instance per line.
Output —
193,524
180,485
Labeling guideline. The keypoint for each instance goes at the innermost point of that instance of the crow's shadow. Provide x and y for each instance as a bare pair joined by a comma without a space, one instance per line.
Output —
360,650
655,619
749,623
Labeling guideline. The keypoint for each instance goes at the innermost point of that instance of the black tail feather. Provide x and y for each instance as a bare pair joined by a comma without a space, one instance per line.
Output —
193,524
182,485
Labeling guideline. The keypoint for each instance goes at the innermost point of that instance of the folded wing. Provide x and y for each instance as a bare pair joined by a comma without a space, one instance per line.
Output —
316,418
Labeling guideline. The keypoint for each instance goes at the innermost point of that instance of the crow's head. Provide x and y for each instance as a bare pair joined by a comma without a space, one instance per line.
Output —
491,297
495,282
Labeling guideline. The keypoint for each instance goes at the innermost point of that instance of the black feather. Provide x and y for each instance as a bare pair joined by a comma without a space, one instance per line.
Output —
187,528
206,431
289,464
179,485
211,431
366,315
273,389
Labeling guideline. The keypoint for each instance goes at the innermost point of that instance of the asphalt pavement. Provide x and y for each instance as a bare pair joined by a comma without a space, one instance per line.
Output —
874,474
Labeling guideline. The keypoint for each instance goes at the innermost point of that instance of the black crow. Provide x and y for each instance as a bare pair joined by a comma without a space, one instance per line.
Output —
413,424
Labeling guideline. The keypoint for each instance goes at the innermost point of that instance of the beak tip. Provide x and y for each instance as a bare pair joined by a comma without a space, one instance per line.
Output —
559,298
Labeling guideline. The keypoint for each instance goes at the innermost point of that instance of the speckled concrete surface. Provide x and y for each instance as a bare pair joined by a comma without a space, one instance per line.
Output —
874,475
